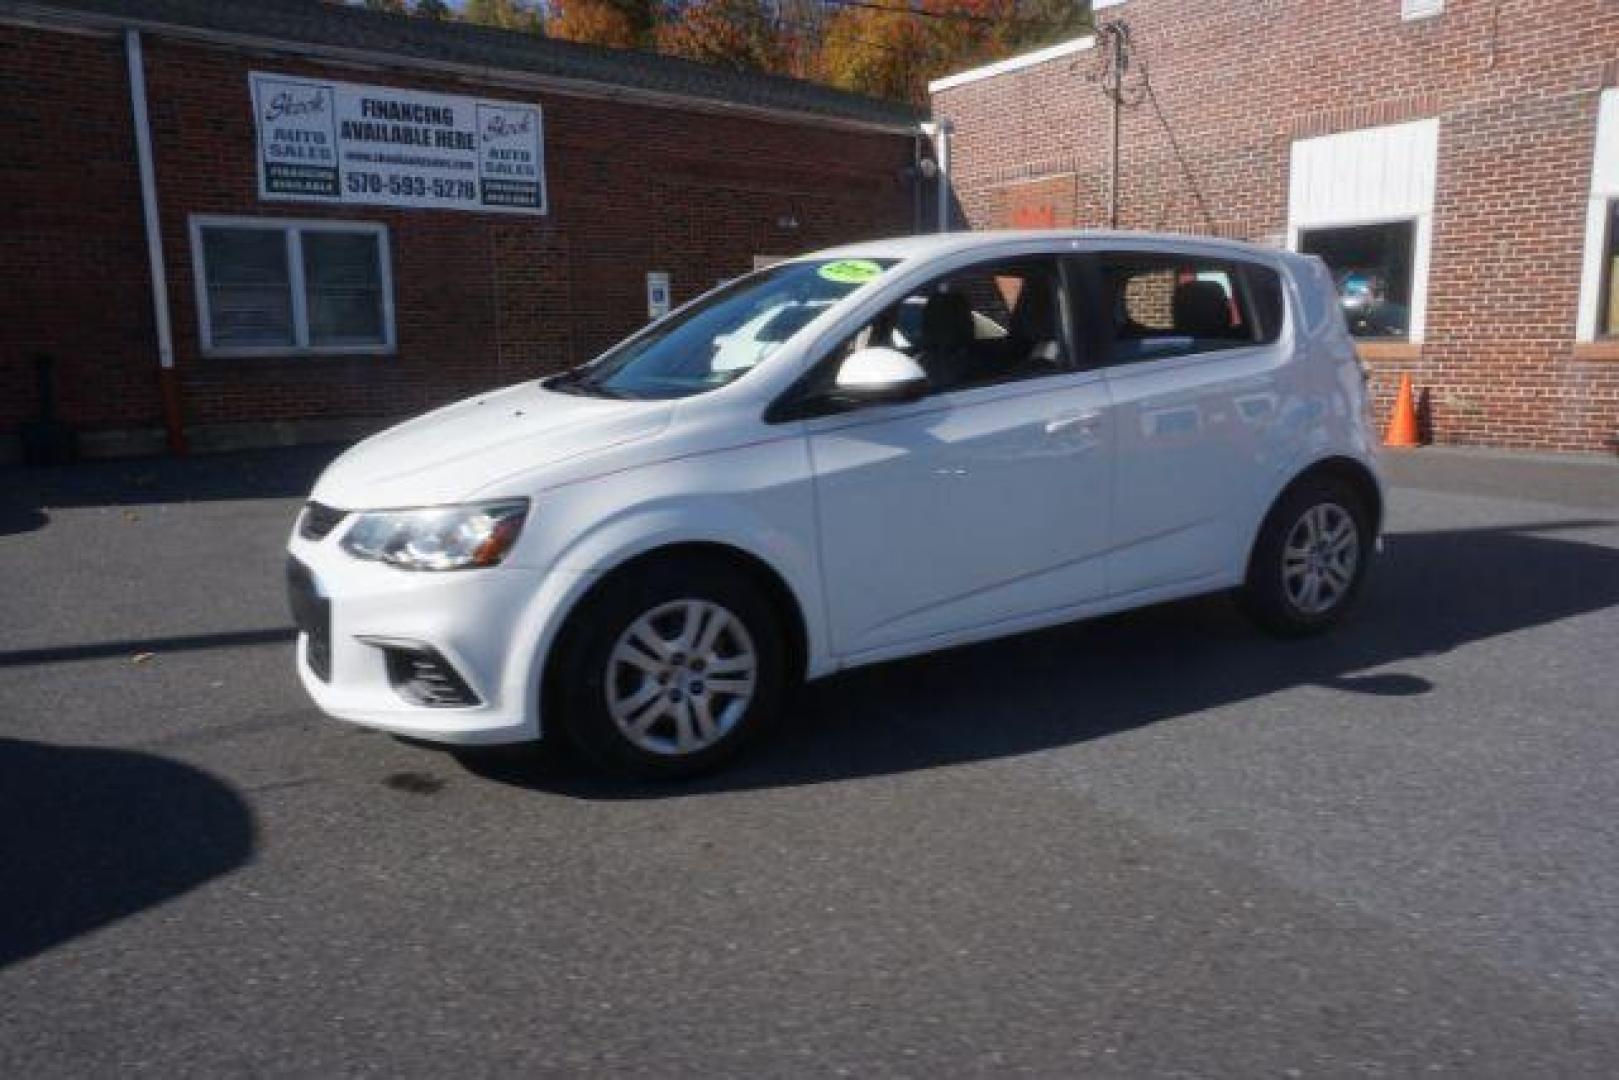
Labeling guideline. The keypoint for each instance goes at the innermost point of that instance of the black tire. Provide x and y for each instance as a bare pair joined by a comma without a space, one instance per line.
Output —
1267,595
586,665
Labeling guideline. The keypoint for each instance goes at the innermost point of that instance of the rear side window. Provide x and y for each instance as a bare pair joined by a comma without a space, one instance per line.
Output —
1171,305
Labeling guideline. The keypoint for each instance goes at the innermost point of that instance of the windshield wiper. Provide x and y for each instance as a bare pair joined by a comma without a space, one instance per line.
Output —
577,381
571,381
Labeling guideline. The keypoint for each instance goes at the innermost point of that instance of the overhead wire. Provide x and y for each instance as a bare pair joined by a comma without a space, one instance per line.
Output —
907,9
1117,56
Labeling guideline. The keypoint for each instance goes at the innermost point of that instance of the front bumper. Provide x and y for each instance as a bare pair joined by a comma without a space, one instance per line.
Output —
493,627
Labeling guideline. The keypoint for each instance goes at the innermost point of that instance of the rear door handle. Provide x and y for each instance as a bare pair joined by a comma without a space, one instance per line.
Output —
1082,421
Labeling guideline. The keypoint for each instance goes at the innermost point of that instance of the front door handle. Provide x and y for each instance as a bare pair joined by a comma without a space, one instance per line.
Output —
1083,421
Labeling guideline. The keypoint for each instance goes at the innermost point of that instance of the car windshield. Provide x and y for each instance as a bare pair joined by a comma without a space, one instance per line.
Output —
724,336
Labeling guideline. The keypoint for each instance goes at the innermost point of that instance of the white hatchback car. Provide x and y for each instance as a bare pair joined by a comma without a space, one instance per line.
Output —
853,456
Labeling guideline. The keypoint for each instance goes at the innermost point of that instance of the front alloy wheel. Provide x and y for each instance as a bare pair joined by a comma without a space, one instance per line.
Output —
670,667
681,677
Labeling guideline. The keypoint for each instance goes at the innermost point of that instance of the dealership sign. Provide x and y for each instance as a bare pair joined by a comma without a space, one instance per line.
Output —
336,142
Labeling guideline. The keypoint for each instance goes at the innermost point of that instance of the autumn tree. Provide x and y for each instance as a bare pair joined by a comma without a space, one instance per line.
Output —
1033,23
737,34
801,24
504,14
878,50
886,48
892,48
625,24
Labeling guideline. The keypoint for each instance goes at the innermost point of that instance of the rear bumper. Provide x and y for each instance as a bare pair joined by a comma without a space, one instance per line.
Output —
493,627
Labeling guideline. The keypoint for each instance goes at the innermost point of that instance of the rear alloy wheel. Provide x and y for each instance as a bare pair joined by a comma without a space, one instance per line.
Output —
1320,559
1310,559
671,669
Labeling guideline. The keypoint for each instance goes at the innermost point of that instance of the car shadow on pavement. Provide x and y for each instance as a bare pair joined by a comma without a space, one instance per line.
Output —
1430,592
100,650
27,494
90,836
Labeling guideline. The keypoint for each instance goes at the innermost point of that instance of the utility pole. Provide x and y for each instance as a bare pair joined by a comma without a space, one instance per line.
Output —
1117,34
1113,144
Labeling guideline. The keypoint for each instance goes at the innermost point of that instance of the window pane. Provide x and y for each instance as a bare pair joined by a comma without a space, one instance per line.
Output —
343,283
1265,289
1371,265
986,325
1610,269
1166,305
1145,299
729,333
249,299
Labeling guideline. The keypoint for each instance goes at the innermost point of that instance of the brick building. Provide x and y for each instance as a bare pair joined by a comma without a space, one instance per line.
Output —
360,216
1455,161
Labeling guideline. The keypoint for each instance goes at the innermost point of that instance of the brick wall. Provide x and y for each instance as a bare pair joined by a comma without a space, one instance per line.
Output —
1235,82
74,281
481,299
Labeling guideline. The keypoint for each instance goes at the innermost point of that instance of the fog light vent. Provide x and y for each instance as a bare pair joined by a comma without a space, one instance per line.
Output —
318,521
423,677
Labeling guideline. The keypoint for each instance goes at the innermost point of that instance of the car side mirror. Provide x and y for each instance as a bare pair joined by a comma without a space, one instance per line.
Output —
879,376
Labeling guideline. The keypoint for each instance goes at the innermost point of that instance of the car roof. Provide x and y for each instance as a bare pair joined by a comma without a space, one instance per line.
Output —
934,245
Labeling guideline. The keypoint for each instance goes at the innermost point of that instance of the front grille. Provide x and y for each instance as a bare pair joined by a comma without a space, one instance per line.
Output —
312,615
424,677
318,521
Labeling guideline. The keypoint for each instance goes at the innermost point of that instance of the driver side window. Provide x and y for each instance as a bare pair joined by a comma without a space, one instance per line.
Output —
992,323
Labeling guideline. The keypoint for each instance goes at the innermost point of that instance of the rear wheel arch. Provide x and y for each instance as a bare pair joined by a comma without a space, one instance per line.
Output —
1352,474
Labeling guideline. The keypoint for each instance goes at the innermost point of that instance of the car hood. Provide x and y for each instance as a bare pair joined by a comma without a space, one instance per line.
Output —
459,450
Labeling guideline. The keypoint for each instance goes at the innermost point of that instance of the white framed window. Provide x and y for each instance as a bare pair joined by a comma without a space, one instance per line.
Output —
1599,277
1421,9
1371,265
1363,201
279,287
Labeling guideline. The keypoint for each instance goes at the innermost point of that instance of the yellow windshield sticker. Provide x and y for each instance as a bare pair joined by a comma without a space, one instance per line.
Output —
850,271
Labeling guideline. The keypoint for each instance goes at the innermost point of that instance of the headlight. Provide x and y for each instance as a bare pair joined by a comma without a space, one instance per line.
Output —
438,538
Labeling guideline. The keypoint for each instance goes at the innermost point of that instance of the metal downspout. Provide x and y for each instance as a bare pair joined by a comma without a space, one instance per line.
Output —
939,131
168,381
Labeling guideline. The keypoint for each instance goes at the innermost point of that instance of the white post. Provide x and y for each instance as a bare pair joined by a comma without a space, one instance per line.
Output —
154,232
168,380
942,145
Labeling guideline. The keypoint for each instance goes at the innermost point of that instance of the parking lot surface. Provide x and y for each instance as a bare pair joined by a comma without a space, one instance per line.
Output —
1153,844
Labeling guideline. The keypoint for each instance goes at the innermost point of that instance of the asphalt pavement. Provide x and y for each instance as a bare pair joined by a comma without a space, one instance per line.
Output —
1158,844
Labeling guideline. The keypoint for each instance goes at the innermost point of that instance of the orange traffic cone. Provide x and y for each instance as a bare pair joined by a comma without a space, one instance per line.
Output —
1402,431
